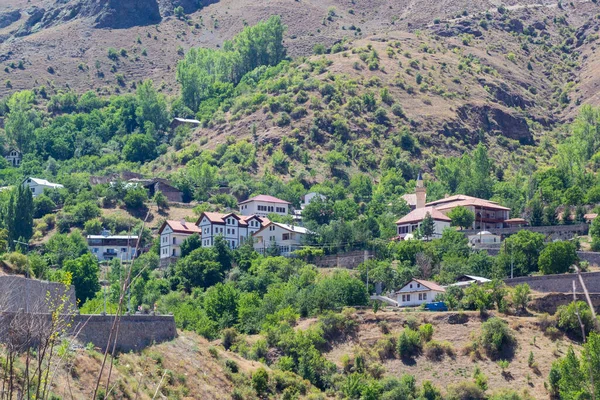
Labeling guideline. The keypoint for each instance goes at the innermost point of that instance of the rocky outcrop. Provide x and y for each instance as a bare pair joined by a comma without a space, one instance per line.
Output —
35,16
167,7
9,17
496,120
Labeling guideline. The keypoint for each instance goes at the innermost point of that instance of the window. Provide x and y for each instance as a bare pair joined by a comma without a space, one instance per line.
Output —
95,250
285,236
32,190
174,253
123,250
228,231
418,285
272,238
280,210
420,296
272,228
408,297
174,240
402,229
424,296
403,297
411,285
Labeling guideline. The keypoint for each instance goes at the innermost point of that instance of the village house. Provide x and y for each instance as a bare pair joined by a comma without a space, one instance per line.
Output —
263,205
488,214
14,157
177,122
408,225
37,186
172,234
282,237
106,246
234,228
417,292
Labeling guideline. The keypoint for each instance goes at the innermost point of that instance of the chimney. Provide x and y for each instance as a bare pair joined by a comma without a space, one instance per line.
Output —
183,222
421,192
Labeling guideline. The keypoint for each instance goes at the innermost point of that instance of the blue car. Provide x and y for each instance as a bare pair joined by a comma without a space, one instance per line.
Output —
436,306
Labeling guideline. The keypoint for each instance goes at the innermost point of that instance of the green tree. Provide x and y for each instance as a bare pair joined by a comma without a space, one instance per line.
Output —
523,251
220,303
462,217
428,226
43,205
161,200
135,198
21,120
151,106
139,148
557,257
18,215
190,244
536,215
571,377
521,296
84,271
199,268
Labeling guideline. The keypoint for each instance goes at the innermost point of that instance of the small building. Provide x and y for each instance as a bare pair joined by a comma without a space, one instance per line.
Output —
484,238
154,185
172,234
412,222
106,246
285,238
14,157
466,280
307,198
37,186
417,292
263,205
234,228
515,223
177,122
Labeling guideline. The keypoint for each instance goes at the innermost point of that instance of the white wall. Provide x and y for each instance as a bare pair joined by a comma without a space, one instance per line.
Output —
274,235
170,242
426,296
263,208
438,228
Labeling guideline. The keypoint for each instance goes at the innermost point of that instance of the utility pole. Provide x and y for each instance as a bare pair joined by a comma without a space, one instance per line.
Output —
512,260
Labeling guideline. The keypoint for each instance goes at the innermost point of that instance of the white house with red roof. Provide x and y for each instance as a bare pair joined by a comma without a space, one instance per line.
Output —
285,238
172,234
488,214
263,205
417,292
410,223
234,228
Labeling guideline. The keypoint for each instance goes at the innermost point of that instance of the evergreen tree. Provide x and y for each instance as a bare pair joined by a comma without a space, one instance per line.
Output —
18,217
427,226
536,218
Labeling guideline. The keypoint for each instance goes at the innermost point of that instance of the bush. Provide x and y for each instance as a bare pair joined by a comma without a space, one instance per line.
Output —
228,337
409,343
465,391
426,332
496,337
521,296
568,321
232,366
260,381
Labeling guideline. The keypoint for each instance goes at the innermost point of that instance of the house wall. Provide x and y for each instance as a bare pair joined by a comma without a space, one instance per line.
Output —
256,208
233,233
268,238
439,227
170,243
414,298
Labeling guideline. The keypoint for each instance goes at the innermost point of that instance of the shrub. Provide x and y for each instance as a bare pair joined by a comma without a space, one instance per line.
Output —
260,381
232,366
465,391
426,332
496,337
434,350
568,321
397,110
521,296
385,348
409,343
228,337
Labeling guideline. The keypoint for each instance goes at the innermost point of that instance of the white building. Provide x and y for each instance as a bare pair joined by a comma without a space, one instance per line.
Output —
286,238
417,292
264,205
14,157
467,280
412,222
172,234
307,198
484,238
37,186
106,247
235,229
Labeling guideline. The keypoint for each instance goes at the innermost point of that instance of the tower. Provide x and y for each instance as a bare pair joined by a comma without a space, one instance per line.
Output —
420,192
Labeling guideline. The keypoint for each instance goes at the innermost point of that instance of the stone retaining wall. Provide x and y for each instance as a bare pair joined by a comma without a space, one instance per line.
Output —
561,232
559,283
351,259
136,332
30,295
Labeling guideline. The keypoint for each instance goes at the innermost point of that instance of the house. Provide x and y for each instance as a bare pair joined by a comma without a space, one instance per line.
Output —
285,238
177,122
37,186
412,222
488,214
172,234
515,223
417,292
307,198
263,205
14,157
484,238
106,246
234,228
466,280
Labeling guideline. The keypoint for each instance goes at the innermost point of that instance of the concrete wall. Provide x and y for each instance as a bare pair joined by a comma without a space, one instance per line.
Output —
136,332
30,295
559,283
351,259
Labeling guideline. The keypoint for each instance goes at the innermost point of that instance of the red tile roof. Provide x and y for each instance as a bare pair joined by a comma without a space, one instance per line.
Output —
266,199
418,215
218,218
177,226
430,285
473,202
457,197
